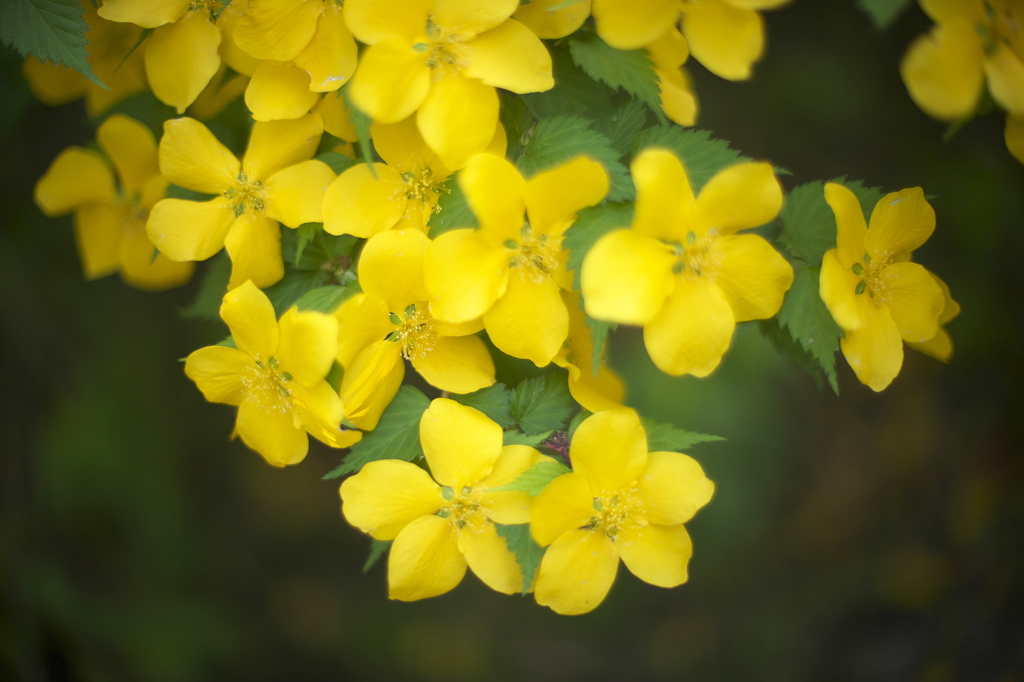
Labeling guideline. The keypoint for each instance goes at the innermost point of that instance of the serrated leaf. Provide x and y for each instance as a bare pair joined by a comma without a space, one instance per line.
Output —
206,305
304,234
334,376
806,318
808,224
528,553
397,435
536,478
295,283
377,549
328,299
882,12
665,437
494,401
339,163
784,343
517,120
454,213
560,138
623,124
361,122
591,224
319,251
575,93
50,30
630,70
520,438
598,336
542,403
575,423
701,154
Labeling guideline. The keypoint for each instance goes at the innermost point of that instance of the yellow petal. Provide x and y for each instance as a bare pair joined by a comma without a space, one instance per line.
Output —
656,554
53,85
565,504
330,57
371,382
470,17
901,222
387,495
191,157
362,320
741,196
576,572
939,346
495,191
425,560
725,39
145,13
459,364
1015,136
391,81
254,244
230,53
677,97
250,316
1005,72
275,145
915,300
489,558
460,443
950,308
510,56
508,506
77,177
875,351
626,277
530,321
943,71
141,270
664,200
553,197
539,17
603,391
277,29
464,275
132,148
402,147
669,51
279,91
609,450
753,276
373,21
219,372
337,119
308,345
391,268
295,195
851,228
272,433
98,233
672,488
628,25
181,59
457,119
837,287
692,332
362,205
190,230
320,411
945,11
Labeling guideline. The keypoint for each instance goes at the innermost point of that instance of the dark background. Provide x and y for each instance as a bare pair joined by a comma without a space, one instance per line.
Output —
869,537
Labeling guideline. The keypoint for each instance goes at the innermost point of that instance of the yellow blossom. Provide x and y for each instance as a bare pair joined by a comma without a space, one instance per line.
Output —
682,271
873,291
551,19
619,502
595,392
444,521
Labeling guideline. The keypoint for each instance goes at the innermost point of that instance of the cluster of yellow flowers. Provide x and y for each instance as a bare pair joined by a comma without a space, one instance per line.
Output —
421,80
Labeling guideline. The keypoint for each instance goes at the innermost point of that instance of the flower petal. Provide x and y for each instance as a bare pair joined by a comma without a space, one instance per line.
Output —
741,196
425,560
320,412
664,199
609,450
495,191
279,91
275,145
295,195
566,504
330,57
362,320
626,277
851,228
308,345
471,17
277,29
1005,72
217,372
362,205
77,177
725,39
387,495
457,119
576,572
692,332
337,119
753,276
460,443
939,346
837,288
391,268
371,382
132,148
272,433
141,270
98,233
391,81
553,197
489,558
510,56
145,13
372,21
510,507
459,364
190,230
656,554
191,157
603,391
254,244
181,58
628,25
875,351
549,23
250,316
943,71
672,488
914,299
678,99
530,321
464,275
901,222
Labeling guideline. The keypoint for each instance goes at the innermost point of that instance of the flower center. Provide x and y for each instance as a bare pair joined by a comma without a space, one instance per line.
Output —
421,186
415,331
697,258
446,53
247,195
266,386
214,8
133,215
465,509
536,255
622,510
1003,27
872,282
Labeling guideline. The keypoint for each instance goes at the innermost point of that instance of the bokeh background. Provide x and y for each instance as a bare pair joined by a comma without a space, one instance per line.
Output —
866,537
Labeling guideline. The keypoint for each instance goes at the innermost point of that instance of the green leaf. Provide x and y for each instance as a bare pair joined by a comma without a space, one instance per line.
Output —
50,30
304,234
867,196
517,120
542,403
806,318
556,140
333,377
575,423
176,192
701,154
323,249
536,478
575,93
598,336
882,12
528,553
377,550
591,224
397,435
662,437
293,286
494,401
520,438
362,125
808,224
206,305
454,213
623,124
148,110
339,163
631,70
228,342
328,299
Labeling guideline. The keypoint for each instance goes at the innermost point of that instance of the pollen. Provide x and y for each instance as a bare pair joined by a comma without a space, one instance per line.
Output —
538,256
266,386
247,196
423,187
415,331
697,258
466,509
446,52
873,279
621,510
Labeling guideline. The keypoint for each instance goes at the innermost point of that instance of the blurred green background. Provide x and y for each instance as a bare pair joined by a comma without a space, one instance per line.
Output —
869,537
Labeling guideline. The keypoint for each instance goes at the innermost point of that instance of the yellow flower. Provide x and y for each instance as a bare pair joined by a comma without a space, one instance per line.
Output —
391,322
110,224
595,392
619,502
973,41
940,346
274,182
553,18
682,271
510,271
443,60
443,524
871,288
275,377
678,101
